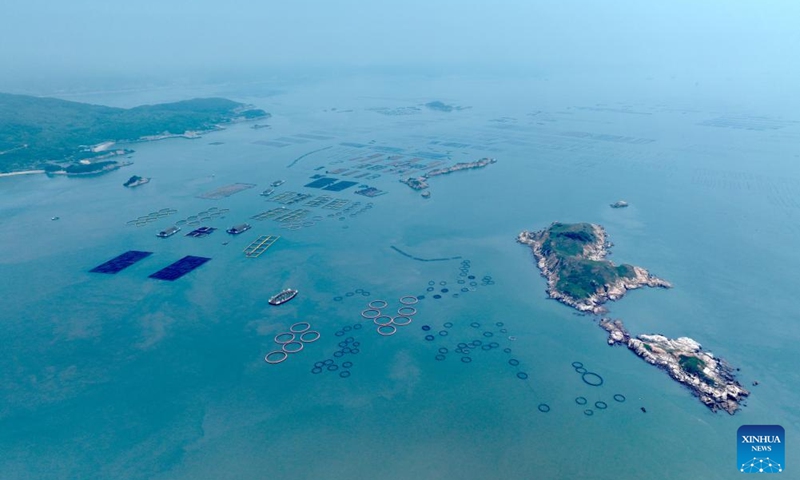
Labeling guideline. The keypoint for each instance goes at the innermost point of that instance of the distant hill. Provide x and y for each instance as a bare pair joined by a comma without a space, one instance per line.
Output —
35,131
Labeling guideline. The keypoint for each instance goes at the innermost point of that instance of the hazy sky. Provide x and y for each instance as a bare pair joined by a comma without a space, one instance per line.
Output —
670,37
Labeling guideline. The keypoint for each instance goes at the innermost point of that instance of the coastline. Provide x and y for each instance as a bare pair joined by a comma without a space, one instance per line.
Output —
22,172
710,379
549,264
420,183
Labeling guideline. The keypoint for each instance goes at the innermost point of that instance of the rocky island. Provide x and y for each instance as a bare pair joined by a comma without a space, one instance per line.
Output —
709,378
135,181
443,107
64,137
572,257
421,183
85,168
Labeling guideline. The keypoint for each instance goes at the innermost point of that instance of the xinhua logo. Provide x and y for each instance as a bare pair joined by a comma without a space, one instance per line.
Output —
761,449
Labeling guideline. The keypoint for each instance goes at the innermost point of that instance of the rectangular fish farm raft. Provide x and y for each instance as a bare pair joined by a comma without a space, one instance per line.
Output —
121,262
226,191
339,186
270,213
260,245
179,268
321,182
288,198
201,232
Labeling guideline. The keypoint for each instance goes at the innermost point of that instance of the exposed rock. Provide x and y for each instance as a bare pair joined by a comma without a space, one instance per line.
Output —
709,378
551,264
420,183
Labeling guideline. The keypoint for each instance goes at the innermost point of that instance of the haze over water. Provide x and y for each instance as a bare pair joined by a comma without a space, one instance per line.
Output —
126,377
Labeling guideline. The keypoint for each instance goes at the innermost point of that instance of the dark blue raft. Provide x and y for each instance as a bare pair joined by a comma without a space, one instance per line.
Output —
339,186
179,268
322,182
121,262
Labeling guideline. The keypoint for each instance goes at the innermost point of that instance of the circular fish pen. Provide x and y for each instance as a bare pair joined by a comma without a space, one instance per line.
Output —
387,330
378,304
300,327
592,379
283,338
369,315
304,337
286,347
406,321
409,300
406,311
276,357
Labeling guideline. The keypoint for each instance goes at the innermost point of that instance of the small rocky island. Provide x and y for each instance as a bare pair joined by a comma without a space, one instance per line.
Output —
421,183
572,257
135,181
711,379
443,107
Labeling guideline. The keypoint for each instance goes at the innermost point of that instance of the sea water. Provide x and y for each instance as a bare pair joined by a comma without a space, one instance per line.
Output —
122,376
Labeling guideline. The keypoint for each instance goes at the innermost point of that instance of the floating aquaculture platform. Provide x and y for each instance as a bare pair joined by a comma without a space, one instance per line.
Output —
319,201
226,191
336,204
288,198
179,268
321,182
260,245
201,232
291,215
339,186
270,213
370,192
121,262
204,216
152,217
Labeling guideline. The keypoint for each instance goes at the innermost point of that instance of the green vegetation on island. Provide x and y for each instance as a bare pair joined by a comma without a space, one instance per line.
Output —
580,276
695,366
36,131
709,377
572,258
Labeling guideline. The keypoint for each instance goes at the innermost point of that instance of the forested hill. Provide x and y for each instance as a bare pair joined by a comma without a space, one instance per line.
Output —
35,130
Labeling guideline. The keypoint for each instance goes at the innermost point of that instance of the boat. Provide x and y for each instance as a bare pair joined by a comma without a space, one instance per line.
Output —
619,204
55,218
283,297
277,183
237,229
168,232
426,194
268,192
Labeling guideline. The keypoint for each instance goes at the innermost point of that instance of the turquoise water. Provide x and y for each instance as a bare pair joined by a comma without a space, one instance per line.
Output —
126,377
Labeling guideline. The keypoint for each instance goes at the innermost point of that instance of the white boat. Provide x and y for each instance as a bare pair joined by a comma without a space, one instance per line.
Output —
283,297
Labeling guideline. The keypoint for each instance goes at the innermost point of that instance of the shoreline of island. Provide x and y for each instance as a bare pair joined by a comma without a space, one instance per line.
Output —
59,152
421,182
597,251
709,378
572,258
